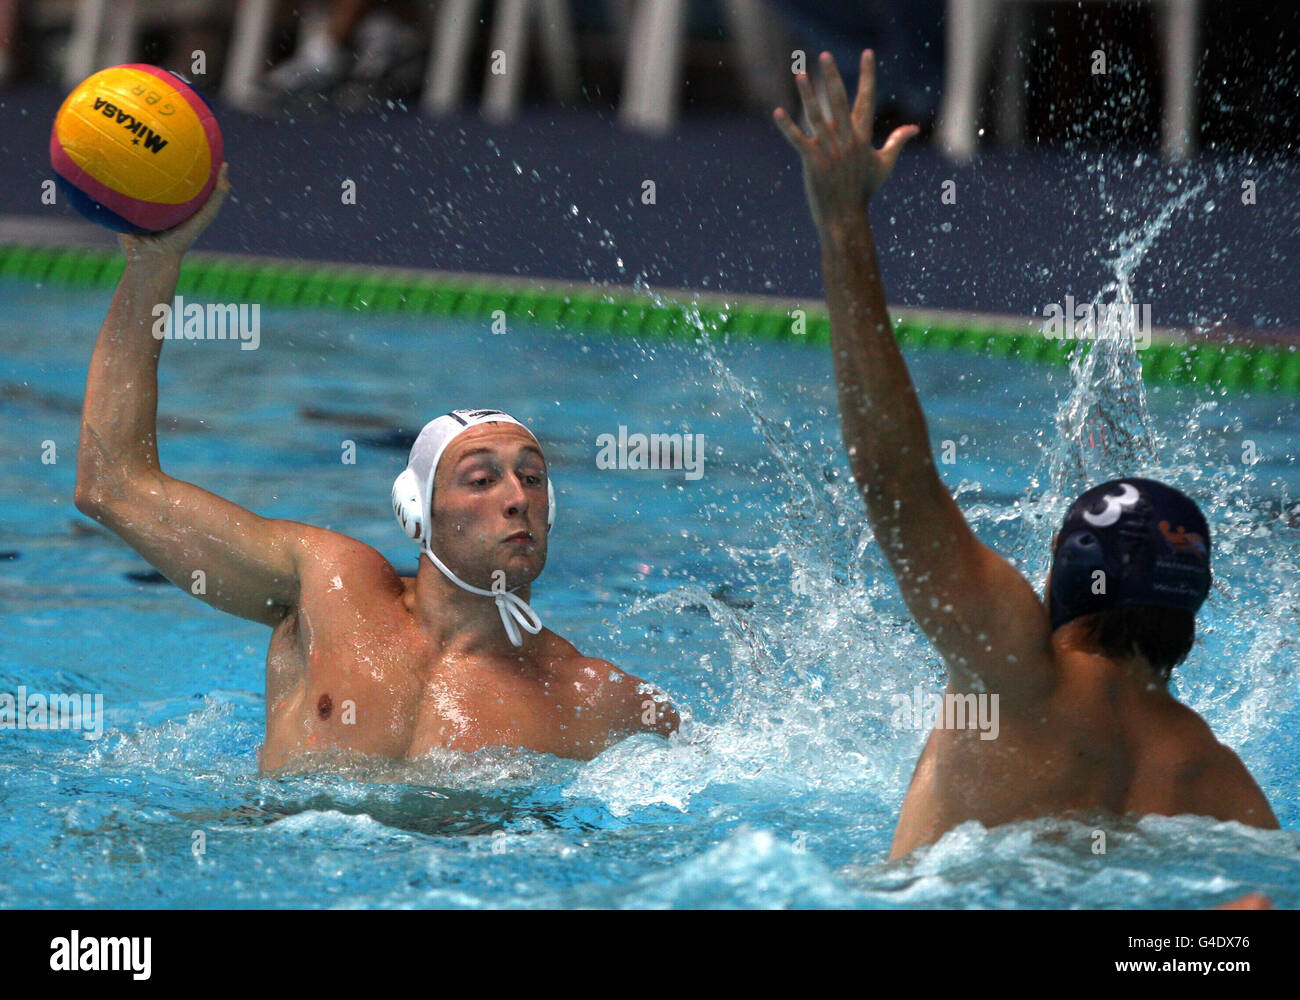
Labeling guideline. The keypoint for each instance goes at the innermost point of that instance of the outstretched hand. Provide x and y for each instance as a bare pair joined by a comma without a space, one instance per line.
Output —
841,169
175,241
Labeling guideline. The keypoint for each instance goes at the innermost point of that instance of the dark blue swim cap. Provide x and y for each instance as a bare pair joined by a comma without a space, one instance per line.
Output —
1150,542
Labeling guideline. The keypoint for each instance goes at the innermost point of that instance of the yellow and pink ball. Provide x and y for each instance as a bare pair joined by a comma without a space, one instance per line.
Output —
136,149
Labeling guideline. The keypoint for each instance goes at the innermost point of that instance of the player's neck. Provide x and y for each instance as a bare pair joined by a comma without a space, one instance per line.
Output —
459,621
1135,668
1138,670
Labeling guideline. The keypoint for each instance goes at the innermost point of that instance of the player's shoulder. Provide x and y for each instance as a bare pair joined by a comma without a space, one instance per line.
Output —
597,679
566,659
623,702
1222,759
1226,789
1184,724
1185,744
323,551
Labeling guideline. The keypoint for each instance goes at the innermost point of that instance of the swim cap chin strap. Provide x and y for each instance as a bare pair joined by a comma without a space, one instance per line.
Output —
516,613
413,491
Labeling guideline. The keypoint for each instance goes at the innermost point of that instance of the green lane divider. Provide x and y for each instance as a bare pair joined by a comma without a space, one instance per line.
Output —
296,284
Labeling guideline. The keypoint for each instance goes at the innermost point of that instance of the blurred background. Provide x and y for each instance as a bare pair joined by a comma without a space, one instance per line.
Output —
1190,65
432,106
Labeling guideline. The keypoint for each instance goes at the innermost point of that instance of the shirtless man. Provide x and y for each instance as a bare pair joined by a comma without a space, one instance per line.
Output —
361,659
1087,723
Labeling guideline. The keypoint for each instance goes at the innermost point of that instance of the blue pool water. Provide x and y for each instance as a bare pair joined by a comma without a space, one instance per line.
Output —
753,595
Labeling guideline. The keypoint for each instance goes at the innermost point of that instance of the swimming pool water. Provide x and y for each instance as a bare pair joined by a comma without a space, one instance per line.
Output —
784,785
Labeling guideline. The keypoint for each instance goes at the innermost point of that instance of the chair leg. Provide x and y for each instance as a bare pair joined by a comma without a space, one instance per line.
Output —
120,33
620,19
652,72
8,29
501,91
83,47
970,30
1179,35
1011,99
750,23
559,49
445,76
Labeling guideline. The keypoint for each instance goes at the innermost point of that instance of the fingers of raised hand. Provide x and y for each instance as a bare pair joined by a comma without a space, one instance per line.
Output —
835,92
812,107
221,189
864,106
792,132
897,140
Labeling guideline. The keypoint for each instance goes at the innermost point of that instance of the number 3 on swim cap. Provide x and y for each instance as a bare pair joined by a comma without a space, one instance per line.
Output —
1116,504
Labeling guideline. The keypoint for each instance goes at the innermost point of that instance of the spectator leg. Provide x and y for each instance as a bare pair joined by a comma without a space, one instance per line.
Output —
250,36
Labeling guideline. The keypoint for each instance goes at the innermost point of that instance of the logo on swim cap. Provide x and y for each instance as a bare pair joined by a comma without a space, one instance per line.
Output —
468,417
1147,544
1183,540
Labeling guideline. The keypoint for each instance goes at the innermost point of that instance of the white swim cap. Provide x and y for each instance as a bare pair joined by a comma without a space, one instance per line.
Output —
413,500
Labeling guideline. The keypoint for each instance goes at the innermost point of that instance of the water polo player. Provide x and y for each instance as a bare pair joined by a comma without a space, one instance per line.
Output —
1086,723
361,659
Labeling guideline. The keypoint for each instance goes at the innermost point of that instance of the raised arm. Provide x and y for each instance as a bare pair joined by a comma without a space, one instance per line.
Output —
978,611
248,563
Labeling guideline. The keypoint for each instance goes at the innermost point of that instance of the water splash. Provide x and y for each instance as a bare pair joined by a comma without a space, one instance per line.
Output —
817,660
1104,428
